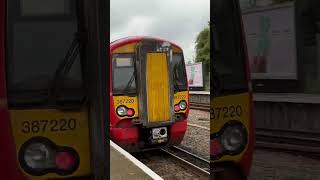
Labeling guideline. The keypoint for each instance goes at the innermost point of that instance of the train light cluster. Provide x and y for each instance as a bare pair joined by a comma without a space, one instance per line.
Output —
65,160
124,111
182,105
40,156
231,140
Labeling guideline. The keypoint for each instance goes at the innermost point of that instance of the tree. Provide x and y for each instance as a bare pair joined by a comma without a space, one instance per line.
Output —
203,46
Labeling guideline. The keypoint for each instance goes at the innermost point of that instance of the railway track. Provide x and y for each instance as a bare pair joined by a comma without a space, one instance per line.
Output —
200,106
299,142
198,163
176,163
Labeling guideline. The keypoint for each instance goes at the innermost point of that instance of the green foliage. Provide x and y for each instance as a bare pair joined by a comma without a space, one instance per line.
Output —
203,46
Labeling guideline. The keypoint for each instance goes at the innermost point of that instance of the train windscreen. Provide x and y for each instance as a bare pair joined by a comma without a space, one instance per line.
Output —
179,72
38,41
124,75
229,73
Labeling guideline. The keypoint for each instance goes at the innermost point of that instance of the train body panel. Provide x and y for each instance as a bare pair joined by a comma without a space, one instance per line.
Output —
230,110
152,104
232,122
46,112
62,129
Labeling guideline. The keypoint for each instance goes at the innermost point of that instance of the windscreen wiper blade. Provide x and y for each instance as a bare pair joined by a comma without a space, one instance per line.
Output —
132,78
175,83
62,71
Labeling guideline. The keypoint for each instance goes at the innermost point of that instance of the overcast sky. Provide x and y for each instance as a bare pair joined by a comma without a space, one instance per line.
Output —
176,20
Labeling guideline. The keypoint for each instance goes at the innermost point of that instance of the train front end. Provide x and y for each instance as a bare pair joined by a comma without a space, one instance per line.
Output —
149,98
232,122
46,109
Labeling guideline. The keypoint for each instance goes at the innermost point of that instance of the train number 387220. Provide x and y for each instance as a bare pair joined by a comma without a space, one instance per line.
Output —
54,125
226,112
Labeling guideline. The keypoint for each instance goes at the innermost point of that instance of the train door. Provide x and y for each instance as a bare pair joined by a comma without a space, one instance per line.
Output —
232,132
53,78
156,96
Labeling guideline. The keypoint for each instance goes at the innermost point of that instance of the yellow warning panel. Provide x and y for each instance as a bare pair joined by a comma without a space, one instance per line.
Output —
64,129
129,102
230,108
158,87
181,96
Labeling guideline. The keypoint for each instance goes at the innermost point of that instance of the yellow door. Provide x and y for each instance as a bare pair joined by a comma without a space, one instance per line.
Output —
158,88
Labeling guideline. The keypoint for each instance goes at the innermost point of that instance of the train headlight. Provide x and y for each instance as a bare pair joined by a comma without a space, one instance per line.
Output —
122,111
234,138
183,105
39,156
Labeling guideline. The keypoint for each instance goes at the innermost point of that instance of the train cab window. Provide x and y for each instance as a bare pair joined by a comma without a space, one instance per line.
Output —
124,76
179,73
228,62
36,47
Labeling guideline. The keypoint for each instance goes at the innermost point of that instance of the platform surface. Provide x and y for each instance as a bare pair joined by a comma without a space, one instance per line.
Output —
200,92
287,97
124,166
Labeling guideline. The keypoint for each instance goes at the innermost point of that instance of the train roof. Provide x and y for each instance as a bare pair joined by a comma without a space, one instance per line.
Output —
131,39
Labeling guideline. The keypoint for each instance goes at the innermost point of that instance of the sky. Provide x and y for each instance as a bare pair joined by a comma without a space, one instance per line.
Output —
178,21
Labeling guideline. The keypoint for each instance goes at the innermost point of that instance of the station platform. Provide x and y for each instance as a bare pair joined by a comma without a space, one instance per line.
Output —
200,92
124,166
202,97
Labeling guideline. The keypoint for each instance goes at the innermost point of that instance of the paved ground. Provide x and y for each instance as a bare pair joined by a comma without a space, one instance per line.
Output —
269,165
123,168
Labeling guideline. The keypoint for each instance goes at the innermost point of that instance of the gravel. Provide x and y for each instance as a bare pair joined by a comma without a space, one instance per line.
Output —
201,118
196,139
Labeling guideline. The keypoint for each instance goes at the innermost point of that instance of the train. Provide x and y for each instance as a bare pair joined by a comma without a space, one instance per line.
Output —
149,97
53,79
232,131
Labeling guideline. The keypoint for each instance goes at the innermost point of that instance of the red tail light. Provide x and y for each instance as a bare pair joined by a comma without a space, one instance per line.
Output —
130,112
215,147
65,160
40,156
176,108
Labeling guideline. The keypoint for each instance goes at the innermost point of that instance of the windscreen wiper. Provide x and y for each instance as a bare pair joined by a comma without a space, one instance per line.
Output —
63,69
132,78
75,48
175,83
